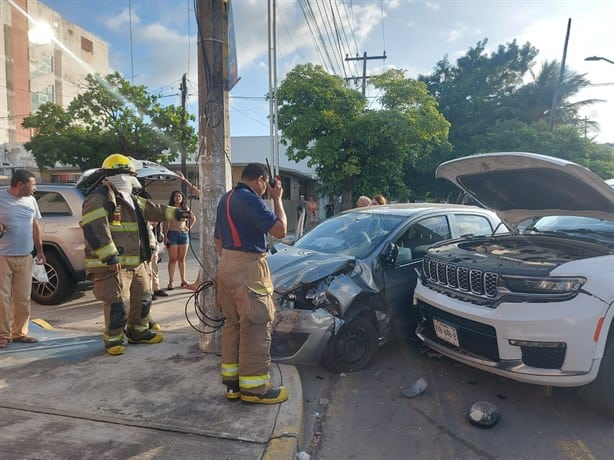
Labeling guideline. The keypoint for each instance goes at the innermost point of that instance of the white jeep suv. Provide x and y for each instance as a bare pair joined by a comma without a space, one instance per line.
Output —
534,305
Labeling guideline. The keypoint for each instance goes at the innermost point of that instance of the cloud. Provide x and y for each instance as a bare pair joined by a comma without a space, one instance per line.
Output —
432,6
121,20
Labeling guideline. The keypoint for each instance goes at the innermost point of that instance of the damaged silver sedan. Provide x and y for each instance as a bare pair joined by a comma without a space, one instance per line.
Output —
345,288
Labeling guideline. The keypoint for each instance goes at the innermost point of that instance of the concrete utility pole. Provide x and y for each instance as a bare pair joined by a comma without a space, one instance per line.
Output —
364,77
214,146
184,168
557,89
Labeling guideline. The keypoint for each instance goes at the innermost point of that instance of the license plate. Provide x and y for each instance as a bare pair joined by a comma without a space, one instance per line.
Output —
446,332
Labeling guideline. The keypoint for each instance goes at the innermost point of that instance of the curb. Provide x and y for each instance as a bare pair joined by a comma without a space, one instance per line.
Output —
288,430
42,323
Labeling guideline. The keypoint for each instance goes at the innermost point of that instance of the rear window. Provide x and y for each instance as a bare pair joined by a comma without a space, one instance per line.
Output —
52,204
470,225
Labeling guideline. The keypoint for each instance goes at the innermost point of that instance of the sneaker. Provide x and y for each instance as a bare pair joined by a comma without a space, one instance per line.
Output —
115,349
273,395
154,325
232,391
160,293
147,337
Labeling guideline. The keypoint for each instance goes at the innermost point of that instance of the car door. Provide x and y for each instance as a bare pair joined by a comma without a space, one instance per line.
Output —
400,278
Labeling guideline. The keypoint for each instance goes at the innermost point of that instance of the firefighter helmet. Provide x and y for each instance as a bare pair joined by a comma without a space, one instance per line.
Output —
118,164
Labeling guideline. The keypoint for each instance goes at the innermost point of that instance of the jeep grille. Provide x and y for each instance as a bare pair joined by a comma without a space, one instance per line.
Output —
474,281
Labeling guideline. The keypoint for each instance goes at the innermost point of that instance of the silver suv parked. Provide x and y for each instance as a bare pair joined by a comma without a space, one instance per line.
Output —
60,207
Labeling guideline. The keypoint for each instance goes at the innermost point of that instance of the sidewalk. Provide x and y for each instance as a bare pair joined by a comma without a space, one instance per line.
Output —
65,398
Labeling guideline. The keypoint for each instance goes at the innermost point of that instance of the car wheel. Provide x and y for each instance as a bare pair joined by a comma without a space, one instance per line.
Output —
61,284
352,348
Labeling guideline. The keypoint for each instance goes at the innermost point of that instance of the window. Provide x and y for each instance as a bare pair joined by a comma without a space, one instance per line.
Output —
285,183
87,45
419,236
473,225
64,178
40,97
43,66
52,204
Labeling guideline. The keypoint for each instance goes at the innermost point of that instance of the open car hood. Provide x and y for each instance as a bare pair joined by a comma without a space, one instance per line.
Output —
519,186
145,169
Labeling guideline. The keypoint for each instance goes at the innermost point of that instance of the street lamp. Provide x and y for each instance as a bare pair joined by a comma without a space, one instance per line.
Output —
598,58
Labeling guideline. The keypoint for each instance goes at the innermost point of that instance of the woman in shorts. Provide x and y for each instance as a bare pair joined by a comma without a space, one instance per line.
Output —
177,239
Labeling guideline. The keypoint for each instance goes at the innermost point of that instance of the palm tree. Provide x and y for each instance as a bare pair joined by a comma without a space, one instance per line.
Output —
532,102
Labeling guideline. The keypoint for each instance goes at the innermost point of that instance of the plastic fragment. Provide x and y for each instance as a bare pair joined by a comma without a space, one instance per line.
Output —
484,414
416,388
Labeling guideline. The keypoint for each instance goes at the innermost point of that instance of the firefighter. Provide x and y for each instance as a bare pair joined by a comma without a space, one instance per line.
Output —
244,286
117,250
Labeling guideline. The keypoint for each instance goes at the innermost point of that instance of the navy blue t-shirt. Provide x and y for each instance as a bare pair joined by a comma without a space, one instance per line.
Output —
251,218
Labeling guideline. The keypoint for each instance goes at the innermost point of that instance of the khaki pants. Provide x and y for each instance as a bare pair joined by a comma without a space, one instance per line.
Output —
15,290
155,280
126,298
244,290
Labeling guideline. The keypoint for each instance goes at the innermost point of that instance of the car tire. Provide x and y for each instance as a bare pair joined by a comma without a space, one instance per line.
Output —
61,284
600,393
352,348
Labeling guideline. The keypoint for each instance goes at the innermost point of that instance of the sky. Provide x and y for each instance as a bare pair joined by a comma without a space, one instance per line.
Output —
413,34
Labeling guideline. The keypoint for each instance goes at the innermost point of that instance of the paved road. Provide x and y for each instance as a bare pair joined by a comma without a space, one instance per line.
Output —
364,415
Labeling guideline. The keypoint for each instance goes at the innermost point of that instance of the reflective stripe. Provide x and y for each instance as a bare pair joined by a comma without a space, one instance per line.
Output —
125,227
230,370
253,381
93,215
261,291
126,261
106,251
113,338
142,202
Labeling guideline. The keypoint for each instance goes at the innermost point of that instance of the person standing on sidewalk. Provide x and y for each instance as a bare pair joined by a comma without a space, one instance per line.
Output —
177,239
19,233
244,286
117,251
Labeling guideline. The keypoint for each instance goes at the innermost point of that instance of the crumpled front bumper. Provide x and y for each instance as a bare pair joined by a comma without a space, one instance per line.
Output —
300,336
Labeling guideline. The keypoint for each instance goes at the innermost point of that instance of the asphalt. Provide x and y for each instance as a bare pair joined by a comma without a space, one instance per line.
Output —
65,398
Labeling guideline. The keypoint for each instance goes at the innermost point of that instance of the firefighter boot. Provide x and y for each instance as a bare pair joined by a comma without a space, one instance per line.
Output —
114,348
147,336
273,395
232,391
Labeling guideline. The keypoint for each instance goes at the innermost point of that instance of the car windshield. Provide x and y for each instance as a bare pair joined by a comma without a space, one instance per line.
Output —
583,227
353,234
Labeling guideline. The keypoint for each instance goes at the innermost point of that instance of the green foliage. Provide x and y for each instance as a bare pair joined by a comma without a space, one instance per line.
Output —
561,142
495,103
357,151
110,116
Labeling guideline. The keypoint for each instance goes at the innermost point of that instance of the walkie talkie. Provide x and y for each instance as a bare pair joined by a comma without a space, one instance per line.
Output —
271,178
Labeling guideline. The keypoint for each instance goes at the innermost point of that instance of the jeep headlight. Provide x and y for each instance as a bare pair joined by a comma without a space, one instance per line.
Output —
546,286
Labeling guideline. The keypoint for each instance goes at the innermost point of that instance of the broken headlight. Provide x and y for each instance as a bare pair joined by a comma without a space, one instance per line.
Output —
563,286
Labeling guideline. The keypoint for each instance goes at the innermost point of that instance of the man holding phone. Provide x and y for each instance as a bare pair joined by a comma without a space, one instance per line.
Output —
244,286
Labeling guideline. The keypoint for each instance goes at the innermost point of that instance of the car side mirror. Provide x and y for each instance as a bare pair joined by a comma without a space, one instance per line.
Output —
389,255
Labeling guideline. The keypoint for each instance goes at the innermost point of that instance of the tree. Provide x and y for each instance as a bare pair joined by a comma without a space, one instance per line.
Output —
111,115
474,93
532,102
351,148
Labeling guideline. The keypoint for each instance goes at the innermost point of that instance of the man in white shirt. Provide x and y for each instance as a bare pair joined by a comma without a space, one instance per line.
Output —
20,230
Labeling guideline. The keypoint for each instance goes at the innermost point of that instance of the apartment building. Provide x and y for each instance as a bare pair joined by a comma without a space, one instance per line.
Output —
45,59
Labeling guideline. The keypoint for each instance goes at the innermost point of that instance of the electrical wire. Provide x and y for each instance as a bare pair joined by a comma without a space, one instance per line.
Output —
211,324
